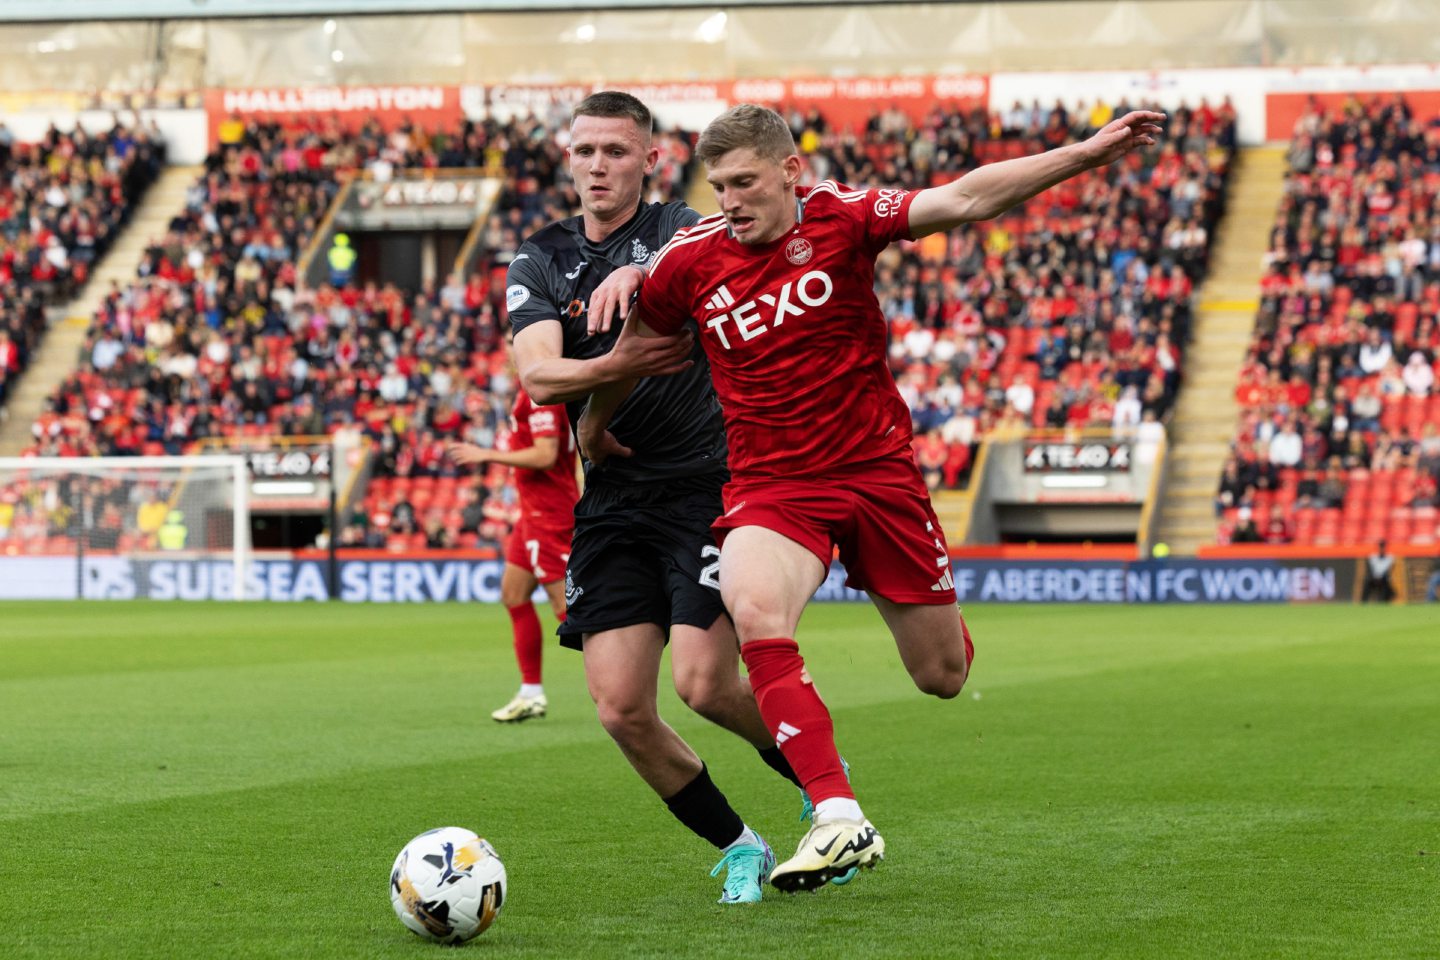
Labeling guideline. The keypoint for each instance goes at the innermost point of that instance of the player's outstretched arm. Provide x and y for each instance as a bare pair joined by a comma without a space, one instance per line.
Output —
549,377
990,190
541,456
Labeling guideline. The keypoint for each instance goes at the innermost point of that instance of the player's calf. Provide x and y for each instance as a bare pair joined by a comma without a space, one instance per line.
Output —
944,674
933,642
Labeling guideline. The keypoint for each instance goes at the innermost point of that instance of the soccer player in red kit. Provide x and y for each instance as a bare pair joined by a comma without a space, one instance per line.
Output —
542,451
781,283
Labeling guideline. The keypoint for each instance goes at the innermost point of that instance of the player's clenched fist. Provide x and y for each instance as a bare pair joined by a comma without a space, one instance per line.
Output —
598,444
466,454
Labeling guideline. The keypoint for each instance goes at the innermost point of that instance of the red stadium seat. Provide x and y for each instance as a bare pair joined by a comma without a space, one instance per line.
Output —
1426,522
1406,315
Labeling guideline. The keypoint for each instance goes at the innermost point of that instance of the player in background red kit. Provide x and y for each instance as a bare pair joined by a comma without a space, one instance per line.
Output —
542,451
781,284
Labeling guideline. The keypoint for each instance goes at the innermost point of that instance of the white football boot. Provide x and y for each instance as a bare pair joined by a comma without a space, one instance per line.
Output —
830,850
521,708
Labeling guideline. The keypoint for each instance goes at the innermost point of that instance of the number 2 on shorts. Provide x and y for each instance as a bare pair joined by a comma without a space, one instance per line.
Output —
710,573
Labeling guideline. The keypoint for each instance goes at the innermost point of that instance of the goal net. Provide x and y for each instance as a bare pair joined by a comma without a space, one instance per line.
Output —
123,527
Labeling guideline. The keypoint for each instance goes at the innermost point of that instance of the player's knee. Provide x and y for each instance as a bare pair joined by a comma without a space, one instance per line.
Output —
627,721
755,619
943,681
703,694
513,594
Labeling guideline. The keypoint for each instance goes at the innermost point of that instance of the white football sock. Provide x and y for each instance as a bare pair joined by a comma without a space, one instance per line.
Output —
747,836
838,808
531,690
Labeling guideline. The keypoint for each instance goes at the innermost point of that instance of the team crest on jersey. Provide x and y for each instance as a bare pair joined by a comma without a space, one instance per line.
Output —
515,296
888,202
639,252
799,251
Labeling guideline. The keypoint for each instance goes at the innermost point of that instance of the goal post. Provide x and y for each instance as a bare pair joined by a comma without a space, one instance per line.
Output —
124,527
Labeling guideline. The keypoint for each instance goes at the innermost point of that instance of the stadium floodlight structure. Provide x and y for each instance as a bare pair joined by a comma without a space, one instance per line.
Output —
104,527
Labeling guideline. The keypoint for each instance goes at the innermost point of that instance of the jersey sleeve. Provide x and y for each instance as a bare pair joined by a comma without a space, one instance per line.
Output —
675,217
884,216
662,295
546,421
527,294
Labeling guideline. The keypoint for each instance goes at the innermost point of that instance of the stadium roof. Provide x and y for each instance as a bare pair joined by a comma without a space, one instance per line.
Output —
80,10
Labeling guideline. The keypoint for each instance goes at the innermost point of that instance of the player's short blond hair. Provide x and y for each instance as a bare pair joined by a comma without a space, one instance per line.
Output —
746,125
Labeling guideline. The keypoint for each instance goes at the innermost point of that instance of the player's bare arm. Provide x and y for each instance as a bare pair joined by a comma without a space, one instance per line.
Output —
540,456
612,299
549,377
592,431
597,443
990,190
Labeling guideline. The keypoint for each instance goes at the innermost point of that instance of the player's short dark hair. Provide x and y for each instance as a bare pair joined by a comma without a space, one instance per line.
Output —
746,125
614,103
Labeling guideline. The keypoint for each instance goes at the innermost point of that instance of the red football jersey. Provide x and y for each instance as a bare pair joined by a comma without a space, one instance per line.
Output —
796,339
547,497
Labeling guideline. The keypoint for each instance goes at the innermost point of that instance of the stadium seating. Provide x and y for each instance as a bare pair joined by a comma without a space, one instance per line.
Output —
215,338
1339,409
62,200
1070,311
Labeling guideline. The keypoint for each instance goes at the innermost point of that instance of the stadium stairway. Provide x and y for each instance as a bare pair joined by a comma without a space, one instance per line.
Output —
58,352
699,195
1204,420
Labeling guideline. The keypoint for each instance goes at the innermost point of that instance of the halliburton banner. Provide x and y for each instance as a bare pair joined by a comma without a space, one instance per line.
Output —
437,579
847,102
427,105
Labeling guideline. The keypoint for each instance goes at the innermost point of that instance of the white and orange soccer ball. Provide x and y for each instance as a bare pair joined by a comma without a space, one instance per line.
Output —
447,885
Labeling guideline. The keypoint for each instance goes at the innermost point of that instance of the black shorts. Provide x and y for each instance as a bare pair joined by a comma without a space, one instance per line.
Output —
644,553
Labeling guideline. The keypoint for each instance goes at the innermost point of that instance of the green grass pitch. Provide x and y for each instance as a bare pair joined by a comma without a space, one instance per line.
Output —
234,781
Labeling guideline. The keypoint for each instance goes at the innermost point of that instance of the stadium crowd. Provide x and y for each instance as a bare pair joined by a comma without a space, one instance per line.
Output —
217,337
1070,312
62,200
48,514
1338,438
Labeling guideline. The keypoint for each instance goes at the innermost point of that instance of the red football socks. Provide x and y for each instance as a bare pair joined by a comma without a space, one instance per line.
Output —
528,643
796,716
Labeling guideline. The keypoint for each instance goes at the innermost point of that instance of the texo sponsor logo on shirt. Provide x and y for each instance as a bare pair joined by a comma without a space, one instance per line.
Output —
751,319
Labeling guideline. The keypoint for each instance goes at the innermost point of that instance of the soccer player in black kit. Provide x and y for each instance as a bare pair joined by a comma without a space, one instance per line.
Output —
643,561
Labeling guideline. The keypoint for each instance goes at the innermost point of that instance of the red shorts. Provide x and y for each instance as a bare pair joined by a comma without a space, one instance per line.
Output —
878,513
542,551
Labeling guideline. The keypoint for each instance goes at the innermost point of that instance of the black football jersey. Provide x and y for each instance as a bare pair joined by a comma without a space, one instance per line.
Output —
673,424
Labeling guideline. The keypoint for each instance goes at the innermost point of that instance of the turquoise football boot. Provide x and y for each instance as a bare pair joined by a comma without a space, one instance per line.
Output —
747,868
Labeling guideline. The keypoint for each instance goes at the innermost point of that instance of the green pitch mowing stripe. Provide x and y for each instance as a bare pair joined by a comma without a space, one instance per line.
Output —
234,781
